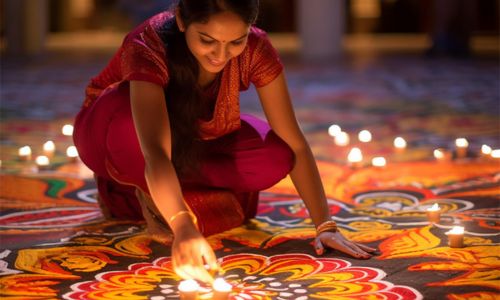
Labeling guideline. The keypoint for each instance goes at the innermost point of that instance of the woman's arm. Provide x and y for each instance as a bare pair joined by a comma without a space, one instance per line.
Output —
152,125
153,130
279,112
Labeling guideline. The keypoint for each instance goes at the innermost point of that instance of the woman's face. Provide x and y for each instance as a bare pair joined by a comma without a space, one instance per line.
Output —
215,42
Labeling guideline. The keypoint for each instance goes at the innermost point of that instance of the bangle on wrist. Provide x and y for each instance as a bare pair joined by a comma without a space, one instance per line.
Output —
183,212
327,226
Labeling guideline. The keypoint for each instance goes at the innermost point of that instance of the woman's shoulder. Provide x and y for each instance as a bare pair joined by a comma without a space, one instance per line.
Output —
256,34
158,21
259,63
258,40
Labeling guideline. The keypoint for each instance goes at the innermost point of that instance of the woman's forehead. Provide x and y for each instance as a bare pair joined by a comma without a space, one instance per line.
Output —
224,26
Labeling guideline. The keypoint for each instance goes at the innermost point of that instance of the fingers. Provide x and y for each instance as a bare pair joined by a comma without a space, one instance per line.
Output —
210,263
210,259
338,242
193,269
181,271
358,252
341,247
199,270
366,248
318,246
194,259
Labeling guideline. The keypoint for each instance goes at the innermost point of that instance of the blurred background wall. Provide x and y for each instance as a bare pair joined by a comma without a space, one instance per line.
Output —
312,28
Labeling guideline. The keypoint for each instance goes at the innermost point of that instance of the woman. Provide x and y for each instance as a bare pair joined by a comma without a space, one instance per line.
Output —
161,129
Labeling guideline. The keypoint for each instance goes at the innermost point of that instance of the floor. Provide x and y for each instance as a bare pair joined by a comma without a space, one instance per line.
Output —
56,244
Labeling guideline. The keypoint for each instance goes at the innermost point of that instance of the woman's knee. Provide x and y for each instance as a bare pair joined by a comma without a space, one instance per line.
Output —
122,145
272,165
280,157
106,132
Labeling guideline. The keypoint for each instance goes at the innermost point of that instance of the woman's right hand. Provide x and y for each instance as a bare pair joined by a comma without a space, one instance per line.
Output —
192,256
190,251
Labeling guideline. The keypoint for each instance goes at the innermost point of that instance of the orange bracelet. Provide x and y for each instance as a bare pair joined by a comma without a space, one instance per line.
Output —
327,226
183,212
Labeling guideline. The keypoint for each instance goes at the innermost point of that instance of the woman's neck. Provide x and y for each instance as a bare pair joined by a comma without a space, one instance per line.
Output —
205,78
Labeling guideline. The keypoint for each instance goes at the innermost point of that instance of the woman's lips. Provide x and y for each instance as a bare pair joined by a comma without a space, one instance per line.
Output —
216,63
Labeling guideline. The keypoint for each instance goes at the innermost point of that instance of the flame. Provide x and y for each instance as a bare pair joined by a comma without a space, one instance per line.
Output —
456,230
434,207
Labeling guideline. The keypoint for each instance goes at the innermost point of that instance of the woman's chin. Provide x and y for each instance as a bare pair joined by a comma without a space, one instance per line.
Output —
213,68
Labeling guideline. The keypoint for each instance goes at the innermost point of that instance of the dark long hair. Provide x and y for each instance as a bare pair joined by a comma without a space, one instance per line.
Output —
183,94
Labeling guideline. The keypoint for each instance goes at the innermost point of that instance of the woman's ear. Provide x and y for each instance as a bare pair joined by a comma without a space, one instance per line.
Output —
178,20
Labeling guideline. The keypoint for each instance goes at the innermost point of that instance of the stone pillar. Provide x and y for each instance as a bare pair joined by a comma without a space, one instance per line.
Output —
26,26
74,14
321,28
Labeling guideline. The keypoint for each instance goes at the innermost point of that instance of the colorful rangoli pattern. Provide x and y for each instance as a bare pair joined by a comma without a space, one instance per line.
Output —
70,245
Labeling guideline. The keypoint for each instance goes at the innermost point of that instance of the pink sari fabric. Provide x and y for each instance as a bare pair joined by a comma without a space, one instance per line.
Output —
223,194
244,156
143,56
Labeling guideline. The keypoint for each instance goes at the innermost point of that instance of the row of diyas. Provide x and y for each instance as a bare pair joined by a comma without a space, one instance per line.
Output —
49,148
25,152
355,159
455,235
355,156
190,289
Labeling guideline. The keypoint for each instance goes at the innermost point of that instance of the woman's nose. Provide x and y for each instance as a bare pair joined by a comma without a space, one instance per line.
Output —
221,53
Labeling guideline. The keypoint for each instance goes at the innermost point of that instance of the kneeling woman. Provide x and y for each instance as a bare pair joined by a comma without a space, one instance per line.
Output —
161,129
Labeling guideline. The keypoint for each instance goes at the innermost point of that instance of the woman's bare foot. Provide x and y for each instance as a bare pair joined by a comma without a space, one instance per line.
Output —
104,208
157,228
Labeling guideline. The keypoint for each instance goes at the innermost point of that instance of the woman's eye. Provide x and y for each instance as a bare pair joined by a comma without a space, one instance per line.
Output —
236,43
208,42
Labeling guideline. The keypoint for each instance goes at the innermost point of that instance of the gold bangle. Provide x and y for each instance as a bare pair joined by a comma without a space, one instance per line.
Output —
328,229
327,226
180,213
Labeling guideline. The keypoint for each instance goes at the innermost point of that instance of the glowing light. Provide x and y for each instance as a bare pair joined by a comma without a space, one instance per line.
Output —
365,136
222,289
399,143
49,148
221,285
188,289
442,155
456,237
495,153
25,153
434,207
439,153
355,157
42,161
461,143
342,139
486,150
334,130
71,151
67,130
189,285
379,161
434,213
456,230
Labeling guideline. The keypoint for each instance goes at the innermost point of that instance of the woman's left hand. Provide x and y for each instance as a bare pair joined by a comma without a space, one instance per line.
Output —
337,241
